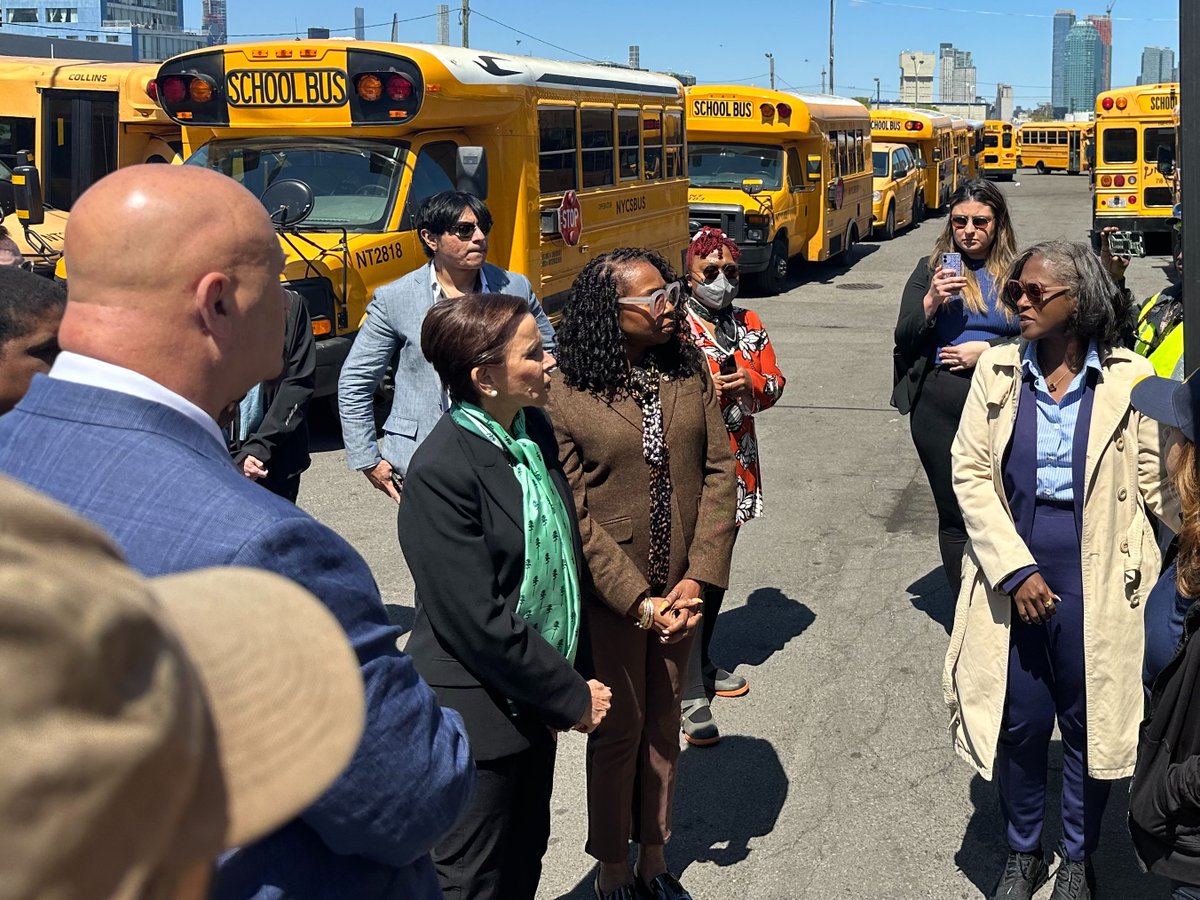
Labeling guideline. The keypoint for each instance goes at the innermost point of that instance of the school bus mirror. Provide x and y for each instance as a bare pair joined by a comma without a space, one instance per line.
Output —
752,186
471,171
937,154
812,167
1166,161
921,164
288,202
8,199
27,187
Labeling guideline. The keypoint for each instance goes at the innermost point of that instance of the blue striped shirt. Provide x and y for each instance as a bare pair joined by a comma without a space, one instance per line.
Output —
1056,426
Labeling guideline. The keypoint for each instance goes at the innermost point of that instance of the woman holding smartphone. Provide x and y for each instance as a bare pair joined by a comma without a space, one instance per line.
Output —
949,313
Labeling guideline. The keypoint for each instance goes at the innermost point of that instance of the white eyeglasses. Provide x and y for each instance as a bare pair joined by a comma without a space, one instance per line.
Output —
658,300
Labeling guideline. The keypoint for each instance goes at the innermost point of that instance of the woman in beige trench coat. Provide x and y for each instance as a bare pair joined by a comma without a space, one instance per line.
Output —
1055,474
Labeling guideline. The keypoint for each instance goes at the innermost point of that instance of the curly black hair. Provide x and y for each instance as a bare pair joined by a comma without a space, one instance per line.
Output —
591,348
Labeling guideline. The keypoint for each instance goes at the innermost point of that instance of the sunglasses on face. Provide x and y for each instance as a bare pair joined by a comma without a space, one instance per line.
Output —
1038,295
464,231
980,222
712,270
658,301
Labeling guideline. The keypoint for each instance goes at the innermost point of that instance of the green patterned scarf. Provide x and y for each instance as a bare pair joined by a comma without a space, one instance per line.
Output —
550,587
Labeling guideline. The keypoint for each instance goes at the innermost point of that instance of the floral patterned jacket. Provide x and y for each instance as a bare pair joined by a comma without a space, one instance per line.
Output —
754,353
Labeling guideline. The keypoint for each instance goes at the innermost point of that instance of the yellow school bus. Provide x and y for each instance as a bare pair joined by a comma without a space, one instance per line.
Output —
975,160
1135,129
999,150
1054,146
962,144
929,134
76,121
785,175
573,160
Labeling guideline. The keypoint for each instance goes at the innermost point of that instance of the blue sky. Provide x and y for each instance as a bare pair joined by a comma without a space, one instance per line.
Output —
1010,39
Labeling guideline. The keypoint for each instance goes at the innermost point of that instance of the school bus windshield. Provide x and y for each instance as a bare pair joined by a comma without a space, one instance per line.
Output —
728,165
880,160
354,182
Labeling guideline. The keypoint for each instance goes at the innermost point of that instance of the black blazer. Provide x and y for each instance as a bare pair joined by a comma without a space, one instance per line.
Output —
460,525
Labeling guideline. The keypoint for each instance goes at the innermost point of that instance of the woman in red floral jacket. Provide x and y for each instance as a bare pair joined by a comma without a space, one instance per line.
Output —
742,362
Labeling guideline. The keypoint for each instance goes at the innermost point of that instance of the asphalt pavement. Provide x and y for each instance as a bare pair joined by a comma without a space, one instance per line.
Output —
834,777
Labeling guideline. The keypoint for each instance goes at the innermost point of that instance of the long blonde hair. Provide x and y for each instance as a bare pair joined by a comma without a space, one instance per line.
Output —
1001,253
1187,483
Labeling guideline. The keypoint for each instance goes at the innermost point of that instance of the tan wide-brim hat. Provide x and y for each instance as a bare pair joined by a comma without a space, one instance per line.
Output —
147,724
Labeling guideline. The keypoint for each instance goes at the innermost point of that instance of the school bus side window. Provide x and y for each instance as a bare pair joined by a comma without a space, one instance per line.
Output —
630,151
596,141
834,162
432,174
652,142
860,144
16,134
556,156
795,171
1120,145
673,137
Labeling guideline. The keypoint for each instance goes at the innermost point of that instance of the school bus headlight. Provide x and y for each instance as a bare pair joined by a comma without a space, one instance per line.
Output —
369,87
876,196
201,89
756,235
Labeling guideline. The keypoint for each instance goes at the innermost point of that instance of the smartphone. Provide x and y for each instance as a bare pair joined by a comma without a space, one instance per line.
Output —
728,365
953,261
1126,243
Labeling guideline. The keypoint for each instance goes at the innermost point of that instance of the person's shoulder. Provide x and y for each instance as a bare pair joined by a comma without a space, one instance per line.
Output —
749,318
502,281
1126,363
405,284
443,458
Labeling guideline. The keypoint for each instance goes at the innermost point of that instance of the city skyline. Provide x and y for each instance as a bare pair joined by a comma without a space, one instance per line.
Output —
1010,42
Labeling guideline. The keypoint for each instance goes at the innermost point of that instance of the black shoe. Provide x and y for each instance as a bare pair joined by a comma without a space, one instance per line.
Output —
665,887
1074,880
624,892
1023,874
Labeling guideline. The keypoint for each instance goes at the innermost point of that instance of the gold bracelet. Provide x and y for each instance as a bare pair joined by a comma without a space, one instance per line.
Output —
646,618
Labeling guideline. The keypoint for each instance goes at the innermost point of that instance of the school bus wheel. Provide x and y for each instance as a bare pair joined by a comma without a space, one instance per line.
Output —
1041,167
773,279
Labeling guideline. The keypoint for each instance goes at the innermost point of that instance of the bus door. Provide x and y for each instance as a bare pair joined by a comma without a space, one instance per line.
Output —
79,131
1074,150
805,171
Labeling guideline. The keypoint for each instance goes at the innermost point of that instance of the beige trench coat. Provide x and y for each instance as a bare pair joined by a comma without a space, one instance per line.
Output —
1124,476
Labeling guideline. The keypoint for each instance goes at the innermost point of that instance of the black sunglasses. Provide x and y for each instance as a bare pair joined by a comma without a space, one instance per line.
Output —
729,270
464,231
1037,295
979,222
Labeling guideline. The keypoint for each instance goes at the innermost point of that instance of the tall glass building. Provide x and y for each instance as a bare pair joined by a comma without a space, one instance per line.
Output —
154,28
1085,68
1063,20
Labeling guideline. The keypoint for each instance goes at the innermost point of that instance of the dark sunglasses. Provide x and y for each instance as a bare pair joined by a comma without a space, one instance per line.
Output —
980,222
729,270
464,231
1037,295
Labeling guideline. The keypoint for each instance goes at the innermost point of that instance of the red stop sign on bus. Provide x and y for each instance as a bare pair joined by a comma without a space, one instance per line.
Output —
570,219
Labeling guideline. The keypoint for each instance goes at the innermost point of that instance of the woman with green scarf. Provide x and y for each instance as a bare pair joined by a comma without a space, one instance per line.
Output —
489,533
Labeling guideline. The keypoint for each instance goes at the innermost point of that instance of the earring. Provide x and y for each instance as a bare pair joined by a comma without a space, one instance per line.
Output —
493,393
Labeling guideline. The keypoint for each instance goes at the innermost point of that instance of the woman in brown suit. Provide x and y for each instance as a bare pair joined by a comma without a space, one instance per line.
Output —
647,455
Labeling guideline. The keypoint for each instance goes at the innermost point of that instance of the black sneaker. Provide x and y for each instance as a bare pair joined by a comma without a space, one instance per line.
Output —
1074,880
1023,874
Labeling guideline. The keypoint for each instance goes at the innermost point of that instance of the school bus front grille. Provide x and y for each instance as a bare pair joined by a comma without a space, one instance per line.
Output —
730,219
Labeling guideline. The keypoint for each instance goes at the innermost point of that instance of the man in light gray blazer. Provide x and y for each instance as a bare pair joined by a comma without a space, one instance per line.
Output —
453,227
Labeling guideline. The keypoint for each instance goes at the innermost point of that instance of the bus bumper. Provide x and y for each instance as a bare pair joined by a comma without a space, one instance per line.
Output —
754,257
331,353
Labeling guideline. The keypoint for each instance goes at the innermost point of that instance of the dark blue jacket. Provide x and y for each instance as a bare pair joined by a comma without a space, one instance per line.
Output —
166,490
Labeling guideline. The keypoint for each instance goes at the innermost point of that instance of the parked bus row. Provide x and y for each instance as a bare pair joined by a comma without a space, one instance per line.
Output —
343,140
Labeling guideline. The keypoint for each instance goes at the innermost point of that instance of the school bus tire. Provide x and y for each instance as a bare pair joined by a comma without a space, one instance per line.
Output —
773,279
1041,167
888,231
918,206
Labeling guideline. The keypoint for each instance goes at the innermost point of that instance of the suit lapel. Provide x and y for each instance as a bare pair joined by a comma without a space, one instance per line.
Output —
496,475
667,390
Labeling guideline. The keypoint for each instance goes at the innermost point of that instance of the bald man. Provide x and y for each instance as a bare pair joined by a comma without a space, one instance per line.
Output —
155,344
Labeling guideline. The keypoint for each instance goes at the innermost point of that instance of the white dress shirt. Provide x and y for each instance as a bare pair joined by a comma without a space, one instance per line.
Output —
439,293
95,373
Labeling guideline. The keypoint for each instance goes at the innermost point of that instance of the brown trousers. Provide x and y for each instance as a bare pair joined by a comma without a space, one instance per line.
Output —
633,756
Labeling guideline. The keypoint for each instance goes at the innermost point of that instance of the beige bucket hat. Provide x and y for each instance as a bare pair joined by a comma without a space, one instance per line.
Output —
148,724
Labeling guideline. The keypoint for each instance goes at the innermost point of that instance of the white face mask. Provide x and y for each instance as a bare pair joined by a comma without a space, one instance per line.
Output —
716,294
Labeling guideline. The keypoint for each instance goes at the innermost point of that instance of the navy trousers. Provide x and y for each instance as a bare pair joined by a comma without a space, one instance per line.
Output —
1046,683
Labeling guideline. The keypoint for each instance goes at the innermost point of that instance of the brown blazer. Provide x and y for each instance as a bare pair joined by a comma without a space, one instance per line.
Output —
600,445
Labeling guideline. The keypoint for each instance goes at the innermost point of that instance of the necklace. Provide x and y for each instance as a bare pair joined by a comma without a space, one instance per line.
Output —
1053,385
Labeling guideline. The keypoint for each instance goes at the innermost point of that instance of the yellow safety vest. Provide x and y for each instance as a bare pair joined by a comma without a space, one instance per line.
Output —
1161,342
